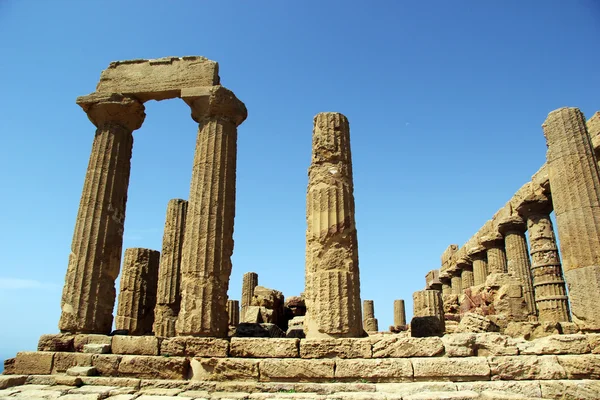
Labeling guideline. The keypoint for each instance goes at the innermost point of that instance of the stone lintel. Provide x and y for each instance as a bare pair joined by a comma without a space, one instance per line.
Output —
214,101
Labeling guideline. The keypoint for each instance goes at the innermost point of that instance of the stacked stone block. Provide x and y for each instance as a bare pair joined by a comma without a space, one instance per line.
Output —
428,314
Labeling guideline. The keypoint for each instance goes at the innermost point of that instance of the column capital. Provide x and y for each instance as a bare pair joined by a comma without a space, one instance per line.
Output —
513,223
464,262
214,101
534,204
113,108
492,240
476,251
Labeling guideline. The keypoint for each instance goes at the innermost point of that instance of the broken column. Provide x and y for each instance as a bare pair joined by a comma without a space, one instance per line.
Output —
517,256
477,254
575,184
428,314
168,296
332,277
88,296
496,257
137,294
370,323
233,310
399,313
208,238
249,282
548,284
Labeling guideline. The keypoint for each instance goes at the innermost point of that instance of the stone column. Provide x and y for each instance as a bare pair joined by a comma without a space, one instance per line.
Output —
575,184
496,257
456,281
548,284
465,265
137,295
370,323
208,238
428,313
88,296
233,310
480,268
517,256
593,127
249,282
399,313
332,276
169,273
446,284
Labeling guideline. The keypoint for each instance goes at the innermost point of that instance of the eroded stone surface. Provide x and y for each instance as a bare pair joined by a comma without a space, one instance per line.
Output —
341,348
398,346
264,348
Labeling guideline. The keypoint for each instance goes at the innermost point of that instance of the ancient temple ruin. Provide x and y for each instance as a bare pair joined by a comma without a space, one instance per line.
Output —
508,315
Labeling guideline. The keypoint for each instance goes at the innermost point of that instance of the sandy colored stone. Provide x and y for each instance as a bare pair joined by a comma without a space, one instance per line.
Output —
264,348
56,342
123,385
154,367
480,266
194,347
475,323
168,295
208,244
495,344
399,313
496,256
249,282
427,304
96,348
451,369
527,389
570,390
459,344
94,262
404,346
224,369
233,311
332,289
82,371
526,368
335,348
135,345
296,370
585,366
383,370
106,364
407,389
137,294
81,340
65,380
64,361
7,381
33,363
462,395
557,344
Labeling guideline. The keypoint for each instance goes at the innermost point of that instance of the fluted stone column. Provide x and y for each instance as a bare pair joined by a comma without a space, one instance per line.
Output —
428,313
548,284
456,281
575,184
233,310
517,256
249,282
399,313
446,285
332,277
137,294
465,265
208,238
593,127
88,296
496,257
169,273
480,268
370,323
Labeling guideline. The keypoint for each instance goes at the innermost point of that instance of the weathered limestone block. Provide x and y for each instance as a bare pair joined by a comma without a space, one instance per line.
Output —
594,342
451,369
249,282
517,256
81,340
549,287
462,395
526,368
495,344
10,381
335,348
224,369
263,330
194,347
570,390
296,370
9,366
395,391
426,326
478,256
168,297
383,370
467,277
152,367
332,277
459,344
89,293
399,313
504,390
475,323
271,303
208,237
399,347
532,330
135,345
496,257
137,295
97,348
427,307
158,79
575,181
432,280
264,348
233,311
56,342
106,364
296,306
33,363
557,344
63,361
585,366
81,371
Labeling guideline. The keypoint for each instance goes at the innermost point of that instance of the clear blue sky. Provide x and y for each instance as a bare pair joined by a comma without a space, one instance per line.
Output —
445,102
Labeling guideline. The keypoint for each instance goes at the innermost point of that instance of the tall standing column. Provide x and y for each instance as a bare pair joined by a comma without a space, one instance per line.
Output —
88,296
137,295
456,281
370,323
399,313
332,279
548,284
208,238
465,265
169,273
480,268
496,257
575,184
249,282
517,256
